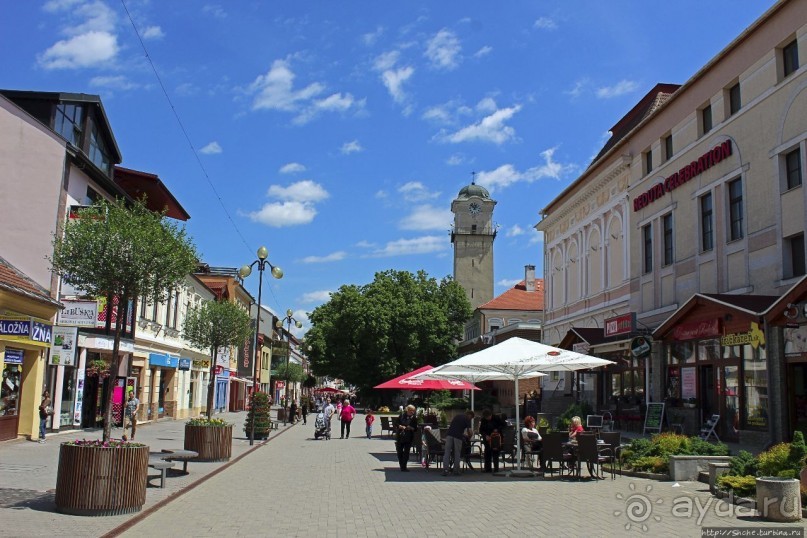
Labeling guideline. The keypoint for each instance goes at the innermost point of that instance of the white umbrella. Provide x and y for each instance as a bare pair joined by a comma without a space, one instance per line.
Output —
471,376
517,358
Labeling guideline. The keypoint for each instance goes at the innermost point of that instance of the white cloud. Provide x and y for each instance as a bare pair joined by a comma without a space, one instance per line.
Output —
455,160
366,244
153,32
506,174
312,297
282,214
305,191
351,147
292,168
508,282
536,236
484,51
215,10
370,38
491,128
427,217
394,79
118,82
96,16
545,23
578,88
382,195
514,231
405,247
443,50
486,105
81,51
415,191
332,257
620,88
386,60
337,102
212,148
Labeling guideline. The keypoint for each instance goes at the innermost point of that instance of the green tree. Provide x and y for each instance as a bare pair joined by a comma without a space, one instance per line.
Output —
291,373
116,249
368,334
213,326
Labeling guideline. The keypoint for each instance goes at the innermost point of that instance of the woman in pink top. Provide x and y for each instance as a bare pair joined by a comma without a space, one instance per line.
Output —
347,414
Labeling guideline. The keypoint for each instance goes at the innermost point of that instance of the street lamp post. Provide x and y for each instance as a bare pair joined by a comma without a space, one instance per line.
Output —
245,271
288,319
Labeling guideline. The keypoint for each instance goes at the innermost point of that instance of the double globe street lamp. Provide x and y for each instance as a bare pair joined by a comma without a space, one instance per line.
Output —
245,271
279,324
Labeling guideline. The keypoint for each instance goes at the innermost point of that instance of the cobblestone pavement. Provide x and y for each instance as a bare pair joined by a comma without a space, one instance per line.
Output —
297,486
28,479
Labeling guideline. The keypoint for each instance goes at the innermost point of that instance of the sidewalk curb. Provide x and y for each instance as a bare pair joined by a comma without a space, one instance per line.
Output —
140,516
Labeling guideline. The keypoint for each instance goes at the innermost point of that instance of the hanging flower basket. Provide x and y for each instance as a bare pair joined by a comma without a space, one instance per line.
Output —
97,368
101,479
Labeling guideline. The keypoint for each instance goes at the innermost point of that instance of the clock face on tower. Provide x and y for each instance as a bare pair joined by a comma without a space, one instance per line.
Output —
474,208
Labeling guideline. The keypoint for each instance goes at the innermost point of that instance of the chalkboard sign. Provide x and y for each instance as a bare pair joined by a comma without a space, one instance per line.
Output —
654,418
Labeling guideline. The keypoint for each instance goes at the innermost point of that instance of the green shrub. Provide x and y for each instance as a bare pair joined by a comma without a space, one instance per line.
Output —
743,464
652,464
699,447
788,473
668,444
742,486
774,460
211,422
798,451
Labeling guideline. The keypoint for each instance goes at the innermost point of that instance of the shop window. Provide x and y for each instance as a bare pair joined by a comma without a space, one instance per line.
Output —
668,147
647,242
707,226
735,101
667,222
735,210
706,119
793,169
793,257
10,390
756,388
790,58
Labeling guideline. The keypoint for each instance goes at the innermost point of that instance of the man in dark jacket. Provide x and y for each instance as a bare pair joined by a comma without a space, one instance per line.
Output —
460,429
490,426
407,426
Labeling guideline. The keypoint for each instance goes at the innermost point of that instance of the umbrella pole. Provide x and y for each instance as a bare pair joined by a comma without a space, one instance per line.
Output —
472,400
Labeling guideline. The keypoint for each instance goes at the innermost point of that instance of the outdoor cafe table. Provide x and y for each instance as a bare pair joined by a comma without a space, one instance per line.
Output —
572,447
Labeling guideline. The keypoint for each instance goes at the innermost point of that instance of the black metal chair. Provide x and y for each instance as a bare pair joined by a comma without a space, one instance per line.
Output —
614,441
593,454
553,451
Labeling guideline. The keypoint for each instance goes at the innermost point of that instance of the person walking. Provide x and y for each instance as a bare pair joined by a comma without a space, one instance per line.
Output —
347,416
328,412
460,428
369,418
293,412
304,411
407,425
45,410
491,429
130,414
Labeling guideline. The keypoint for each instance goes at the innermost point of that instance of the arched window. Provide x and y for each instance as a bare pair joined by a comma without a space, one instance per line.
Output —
594,265
615,253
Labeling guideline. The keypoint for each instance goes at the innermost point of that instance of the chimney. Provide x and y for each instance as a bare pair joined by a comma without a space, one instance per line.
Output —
529,277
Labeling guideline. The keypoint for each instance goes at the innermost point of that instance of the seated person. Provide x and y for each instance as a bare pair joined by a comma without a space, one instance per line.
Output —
531,438
575,428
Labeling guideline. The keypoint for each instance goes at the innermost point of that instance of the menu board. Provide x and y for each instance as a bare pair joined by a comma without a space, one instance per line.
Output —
687,383
654,417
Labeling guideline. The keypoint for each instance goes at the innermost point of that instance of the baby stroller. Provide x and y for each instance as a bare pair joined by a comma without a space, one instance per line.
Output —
321,428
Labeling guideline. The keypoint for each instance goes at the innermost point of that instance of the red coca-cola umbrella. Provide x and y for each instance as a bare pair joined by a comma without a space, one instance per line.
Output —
405,382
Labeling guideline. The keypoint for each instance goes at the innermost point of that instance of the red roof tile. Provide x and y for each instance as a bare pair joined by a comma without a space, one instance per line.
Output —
14,280
518,298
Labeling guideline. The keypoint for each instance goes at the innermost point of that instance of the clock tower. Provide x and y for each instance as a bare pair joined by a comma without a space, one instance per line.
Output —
472,235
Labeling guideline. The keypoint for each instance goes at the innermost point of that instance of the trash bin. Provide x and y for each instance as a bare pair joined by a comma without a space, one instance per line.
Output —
281,414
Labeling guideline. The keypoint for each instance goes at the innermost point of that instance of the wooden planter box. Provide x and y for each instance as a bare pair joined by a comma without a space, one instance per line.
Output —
94,481
213,443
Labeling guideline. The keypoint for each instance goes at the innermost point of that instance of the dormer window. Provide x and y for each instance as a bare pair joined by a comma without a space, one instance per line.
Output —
69,121
99,154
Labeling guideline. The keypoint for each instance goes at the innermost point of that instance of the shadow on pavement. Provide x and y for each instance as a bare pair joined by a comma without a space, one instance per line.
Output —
41,501
385,456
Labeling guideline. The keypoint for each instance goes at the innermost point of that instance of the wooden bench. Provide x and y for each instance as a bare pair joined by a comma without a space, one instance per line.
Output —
162,466
175,454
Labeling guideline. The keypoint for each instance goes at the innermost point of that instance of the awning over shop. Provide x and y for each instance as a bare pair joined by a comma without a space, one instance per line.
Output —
707,315
247,382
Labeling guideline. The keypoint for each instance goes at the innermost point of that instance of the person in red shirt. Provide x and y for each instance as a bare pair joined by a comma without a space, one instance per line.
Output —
369,418
346,415
575,427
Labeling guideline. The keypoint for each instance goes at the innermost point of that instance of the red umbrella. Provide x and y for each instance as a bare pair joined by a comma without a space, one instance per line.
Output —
405,382
327,389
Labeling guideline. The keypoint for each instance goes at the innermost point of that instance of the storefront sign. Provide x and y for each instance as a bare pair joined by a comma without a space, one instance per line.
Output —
14,356
581,347
65,343
79,313
223,357
623,324
201,365
640,347
79,401
755,338
166,361
246,355
104,343
25,329
280,384
708,328
184,364
687,173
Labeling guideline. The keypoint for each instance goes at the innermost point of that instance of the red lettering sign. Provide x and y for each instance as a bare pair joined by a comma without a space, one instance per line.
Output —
696,330
623,324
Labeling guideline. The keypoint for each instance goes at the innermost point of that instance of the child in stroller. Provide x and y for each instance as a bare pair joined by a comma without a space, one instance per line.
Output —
321,427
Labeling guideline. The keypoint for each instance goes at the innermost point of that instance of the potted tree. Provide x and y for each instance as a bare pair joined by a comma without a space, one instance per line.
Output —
259,414
212,326
120,251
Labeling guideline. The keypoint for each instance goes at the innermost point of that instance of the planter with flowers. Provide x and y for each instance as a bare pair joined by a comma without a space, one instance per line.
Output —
97,478
97,367
211,438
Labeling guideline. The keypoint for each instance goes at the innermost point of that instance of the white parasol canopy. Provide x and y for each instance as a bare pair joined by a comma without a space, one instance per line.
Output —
517,358
472,376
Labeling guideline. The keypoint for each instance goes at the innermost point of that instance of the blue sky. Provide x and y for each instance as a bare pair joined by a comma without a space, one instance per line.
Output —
337,133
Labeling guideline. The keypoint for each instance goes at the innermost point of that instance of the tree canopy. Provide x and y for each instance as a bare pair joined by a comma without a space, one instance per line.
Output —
123,250
216,325
400,321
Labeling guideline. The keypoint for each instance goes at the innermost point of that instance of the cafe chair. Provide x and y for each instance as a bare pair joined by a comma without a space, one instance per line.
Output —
593,455
708,429
553,451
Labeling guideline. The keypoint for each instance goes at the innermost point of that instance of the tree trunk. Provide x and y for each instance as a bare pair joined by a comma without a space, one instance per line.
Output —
113,369
212,383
